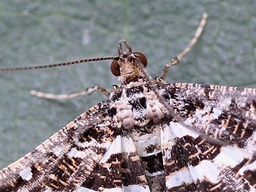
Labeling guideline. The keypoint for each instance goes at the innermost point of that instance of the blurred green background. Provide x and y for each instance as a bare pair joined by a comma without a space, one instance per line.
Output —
44,31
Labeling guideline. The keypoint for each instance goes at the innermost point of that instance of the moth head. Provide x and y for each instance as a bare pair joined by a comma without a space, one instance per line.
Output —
133,58
128,65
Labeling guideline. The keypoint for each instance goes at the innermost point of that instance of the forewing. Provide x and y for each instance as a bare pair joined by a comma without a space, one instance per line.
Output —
224,160
65,160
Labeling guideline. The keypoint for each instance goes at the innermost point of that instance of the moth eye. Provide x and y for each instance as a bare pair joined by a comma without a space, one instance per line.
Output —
114,67
142,58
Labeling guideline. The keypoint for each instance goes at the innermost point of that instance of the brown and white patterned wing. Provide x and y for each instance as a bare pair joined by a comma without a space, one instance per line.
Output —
65,160
194,163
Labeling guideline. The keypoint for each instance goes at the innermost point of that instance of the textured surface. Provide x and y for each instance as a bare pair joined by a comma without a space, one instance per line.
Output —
43,32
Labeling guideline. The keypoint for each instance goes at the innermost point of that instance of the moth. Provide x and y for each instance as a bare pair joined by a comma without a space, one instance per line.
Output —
149,135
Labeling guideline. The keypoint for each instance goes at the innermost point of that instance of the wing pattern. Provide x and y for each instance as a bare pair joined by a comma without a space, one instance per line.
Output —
130,142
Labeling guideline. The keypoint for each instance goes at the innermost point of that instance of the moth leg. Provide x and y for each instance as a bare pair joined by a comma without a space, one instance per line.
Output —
88,91
177,59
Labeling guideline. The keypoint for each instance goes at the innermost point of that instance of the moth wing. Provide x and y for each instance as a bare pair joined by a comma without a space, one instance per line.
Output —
226,158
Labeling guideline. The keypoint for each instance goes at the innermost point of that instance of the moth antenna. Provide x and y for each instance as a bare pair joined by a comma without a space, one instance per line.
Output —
59,64
178,58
